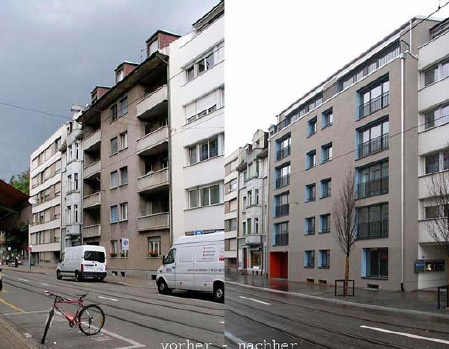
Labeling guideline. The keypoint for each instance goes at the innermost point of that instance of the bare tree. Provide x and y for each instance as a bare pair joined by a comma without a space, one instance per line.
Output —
438,227
343,215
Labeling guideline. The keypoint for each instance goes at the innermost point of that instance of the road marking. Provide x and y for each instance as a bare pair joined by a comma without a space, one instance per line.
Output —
23,279
26,312
133,345
43,284
12,306
442,341
111,299
222,322
27,335
255,300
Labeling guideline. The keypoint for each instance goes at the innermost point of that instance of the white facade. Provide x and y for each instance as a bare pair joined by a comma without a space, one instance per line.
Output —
433,105
45,193
196,90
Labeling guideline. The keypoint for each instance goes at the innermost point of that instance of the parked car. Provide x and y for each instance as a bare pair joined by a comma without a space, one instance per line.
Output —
194,263
86,261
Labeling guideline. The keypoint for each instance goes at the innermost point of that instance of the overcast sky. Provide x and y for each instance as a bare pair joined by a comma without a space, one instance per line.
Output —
53,52
276,51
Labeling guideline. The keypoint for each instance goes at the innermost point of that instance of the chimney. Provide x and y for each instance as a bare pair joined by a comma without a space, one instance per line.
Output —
159,40
98,92
123,70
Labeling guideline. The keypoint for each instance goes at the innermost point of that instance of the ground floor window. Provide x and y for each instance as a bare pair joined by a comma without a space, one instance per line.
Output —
114,249
256,259
375,262
154,246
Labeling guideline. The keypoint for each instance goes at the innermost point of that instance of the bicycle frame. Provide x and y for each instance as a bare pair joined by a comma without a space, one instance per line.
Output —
79,303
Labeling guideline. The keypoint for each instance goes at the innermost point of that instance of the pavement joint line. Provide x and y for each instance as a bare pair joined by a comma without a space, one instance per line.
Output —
12,306
339,301
255,300
27,312
410,335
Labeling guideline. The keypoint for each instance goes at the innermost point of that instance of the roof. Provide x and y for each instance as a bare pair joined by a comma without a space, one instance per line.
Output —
159,31
125,62
214,9
10,197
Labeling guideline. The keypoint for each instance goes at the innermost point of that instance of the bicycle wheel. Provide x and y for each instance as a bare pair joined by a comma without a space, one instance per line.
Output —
91,320
48,324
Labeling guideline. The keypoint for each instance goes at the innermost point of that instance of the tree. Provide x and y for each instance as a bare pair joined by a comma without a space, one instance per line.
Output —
21,181
438,227
343,214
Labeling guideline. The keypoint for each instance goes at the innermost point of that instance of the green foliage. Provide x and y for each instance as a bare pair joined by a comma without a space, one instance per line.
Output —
21,182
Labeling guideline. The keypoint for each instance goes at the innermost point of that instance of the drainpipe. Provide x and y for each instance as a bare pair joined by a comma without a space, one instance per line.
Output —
402,167
268,206
170,167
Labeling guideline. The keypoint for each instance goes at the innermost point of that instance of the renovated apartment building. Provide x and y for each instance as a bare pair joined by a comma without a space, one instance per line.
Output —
197,127
45,192
362,119
252,168
433,151
71,182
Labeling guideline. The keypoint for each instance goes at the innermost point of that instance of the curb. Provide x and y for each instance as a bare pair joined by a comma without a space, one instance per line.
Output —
348,303
20,338
231,339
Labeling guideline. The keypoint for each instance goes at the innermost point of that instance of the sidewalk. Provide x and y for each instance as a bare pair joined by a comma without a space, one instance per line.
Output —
10,338
415,301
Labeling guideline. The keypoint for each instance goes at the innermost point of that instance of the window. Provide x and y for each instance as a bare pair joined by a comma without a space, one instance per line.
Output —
124,175
445,69
114,113
373,139
327,118
256,225
77,151
114,214
69,183
114,180
231,224
309,226
154,246
432,212
280,236
324,260
283,147
325,223
326,153
437,162
431,75
373,180
75,181
205,150
114,146
233,185
372,222
309,259
76,212
204,105
282,176
311,159
250,198
123,140
194,198
311,126
204,196
325,188
436,117
124,211
282,206
248,226
375,262
310,192
201,66
114,248
193,155
374,98
256,196
190,73
124,106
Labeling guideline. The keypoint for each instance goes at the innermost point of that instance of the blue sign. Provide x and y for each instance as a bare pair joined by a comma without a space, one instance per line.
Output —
198,232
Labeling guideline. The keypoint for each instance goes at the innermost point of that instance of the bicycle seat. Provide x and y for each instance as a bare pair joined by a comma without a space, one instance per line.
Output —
81,296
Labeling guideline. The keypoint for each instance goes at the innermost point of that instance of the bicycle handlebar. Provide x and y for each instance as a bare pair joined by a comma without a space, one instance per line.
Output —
51,294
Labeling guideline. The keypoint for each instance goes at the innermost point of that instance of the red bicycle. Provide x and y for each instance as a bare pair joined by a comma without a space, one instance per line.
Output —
89,319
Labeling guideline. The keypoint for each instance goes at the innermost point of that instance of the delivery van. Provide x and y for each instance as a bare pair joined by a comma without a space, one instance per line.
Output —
86,261
194,263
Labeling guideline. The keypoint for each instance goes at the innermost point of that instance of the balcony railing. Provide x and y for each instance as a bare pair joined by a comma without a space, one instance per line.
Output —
92,231
154,221
92,200
153,180
92,140
372,188
374,105
152,139
282,181
372,230
153,103
282,210
92,169
283,153
280,239
373,146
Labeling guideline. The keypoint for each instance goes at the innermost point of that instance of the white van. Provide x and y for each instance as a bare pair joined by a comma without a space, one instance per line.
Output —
86,261
194,263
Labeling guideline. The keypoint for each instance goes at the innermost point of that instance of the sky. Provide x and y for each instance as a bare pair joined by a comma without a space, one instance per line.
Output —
54,52
276,51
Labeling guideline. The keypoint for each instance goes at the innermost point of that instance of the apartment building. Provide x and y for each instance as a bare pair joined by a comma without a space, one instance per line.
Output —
71,182
126,182
231,200
433,151
45,191
362,119
197,126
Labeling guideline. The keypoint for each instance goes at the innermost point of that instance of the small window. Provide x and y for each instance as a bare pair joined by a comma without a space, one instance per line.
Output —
154,246
190,73
310,226
325,190
326,153
124,175
309,259
324,259
431,75
124,211
114,214
311,127
327,118
123,140
310,192
114,180
124,106
114,112
193,198
325,223
311,159
114,146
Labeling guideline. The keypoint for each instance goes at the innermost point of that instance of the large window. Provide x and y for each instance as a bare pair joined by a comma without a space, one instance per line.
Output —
204,196
204,105
206,62
372,222
437,162
373,180
283,147
282,176
280,236
374,98
373,139
203,151
435,73
435,117
230,224
309,259
375,262
281,205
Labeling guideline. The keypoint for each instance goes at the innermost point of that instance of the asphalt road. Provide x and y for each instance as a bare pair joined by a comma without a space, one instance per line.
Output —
257,317
136,317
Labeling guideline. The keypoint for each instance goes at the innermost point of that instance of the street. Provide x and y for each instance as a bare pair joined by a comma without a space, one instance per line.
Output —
136,317
256,316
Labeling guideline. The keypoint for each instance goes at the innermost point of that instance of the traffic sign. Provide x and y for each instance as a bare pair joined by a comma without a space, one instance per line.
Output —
198,232
125,244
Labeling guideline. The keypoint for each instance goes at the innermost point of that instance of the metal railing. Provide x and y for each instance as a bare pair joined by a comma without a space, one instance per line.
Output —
280,239
282,181
283,153
373,146
372,188
374,105
282,210
372,230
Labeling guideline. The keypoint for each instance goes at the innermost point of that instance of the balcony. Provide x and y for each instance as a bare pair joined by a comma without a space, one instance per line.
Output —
372,188
253,240
73,229
92,231
372,230
92,142
154,104
282,181
282,210
92,201
283,153
374,105
153,181
92,170
373,146
280,239
148,144
154,221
